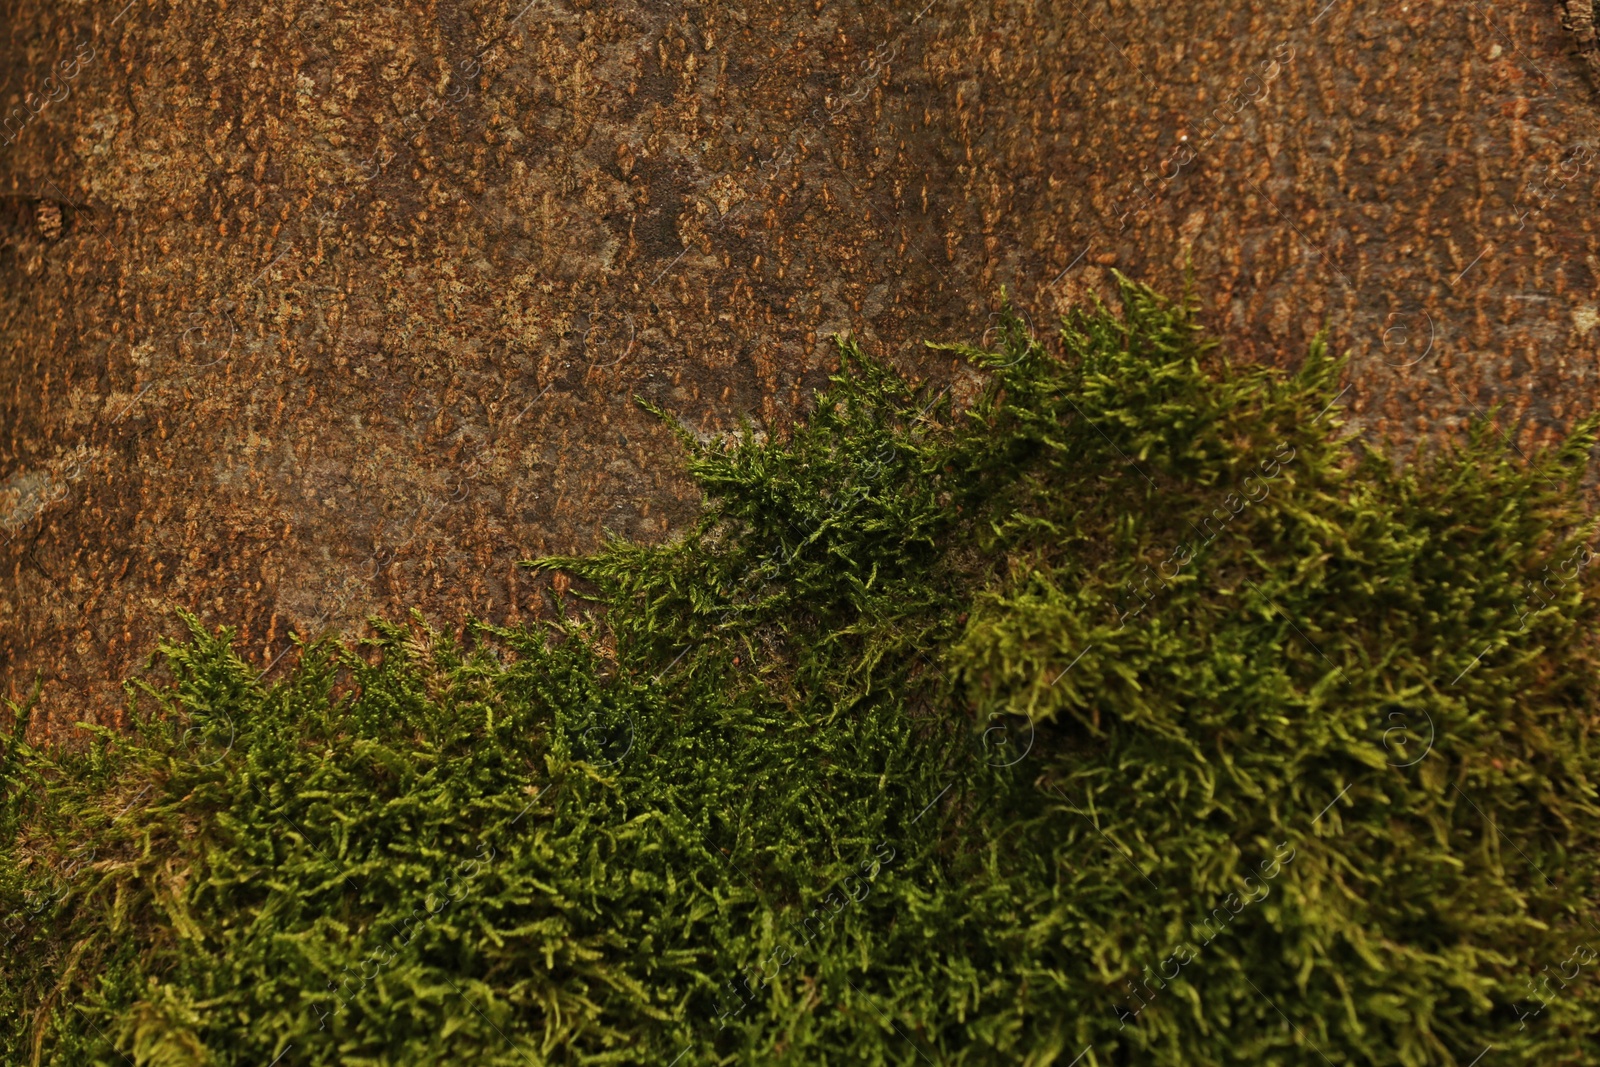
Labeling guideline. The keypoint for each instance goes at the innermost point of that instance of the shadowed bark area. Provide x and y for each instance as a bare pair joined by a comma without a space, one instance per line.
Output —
314,310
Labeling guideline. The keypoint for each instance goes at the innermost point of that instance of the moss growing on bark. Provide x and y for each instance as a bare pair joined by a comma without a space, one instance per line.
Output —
1128,715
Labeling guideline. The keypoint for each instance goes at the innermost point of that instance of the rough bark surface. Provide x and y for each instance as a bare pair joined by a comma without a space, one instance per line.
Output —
314,310
1578,17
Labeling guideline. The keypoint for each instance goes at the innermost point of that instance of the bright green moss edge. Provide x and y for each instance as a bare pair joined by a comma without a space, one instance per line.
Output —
1131,714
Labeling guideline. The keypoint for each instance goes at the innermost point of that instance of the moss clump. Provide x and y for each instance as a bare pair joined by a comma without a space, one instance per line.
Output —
1128,716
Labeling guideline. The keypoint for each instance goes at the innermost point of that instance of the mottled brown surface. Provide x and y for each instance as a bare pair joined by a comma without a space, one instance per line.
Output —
328,326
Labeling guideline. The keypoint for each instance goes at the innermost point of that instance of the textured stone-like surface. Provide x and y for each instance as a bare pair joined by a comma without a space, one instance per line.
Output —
312,310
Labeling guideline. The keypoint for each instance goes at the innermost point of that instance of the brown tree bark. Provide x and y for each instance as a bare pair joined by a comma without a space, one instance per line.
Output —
318,309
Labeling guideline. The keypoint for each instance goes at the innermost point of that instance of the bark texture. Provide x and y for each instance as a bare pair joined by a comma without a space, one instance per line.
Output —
312,310
1578,17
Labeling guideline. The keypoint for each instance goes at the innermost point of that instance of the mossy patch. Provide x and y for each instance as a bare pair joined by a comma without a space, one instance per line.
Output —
1129,715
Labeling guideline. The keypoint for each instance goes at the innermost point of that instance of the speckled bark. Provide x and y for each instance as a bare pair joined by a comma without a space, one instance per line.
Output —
313,310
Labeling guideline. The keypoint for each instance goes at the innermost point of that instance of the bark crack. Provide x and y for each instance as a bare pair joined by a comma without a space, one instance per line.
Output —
1578,17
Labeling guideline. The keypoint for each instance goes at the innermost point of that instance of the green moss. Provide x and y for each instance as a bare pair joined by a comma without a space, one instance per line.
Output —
1130,714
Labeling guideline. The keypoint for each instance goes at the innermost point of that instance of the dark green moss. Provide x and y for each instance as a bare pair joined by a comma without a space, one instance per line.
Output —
1128,714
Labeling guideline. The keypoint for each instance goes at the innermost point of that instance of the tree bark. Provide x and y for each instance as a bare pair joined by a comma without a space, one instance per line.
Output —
316,310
